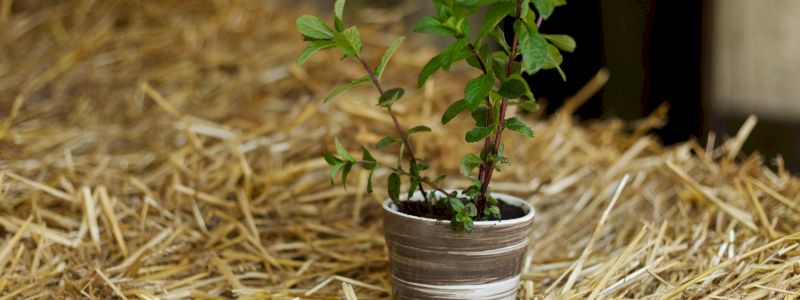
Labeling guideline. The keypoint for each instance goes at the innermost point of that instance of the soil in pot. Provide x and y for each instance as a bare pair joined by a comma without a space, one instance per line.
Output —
443,211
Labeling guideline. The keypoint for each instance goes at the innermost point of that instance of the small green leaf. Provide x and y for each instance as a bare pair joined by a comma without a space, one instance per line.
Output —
532,46
515,87
369,181
453,110
439,179
457,51
493,16
478,133
479,115
456,204
313,28
420,128
470,209
335,169
431,25
331,159
349,41
500,38
517,125
370,162
390,97
314,47
338,9
386,142
394,187
545,7
477,90
468,163
387,55
492,211
562,41
529,105
412,187
554,60
431,67
342,151
345,172
347,86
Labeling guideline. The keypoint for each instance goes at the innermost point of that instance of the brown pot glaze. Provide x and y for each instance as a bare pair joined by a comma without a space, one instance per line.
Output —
430,260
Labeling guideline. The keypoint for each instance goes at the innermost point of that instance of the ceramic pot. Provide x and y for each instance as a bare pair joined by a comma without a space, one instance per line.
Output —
430,260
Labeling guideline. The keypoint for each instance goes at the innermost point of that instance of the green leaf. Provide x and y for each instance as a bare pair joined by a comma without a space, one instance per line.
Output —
493,211
394,187
338,9
477,90
493,16
468,225
412,187
370,162
468,163
314,47
478,133
420,128
456,204
562,41
517,125
515,87
345,172
439,179
387,55
470,209
500,38
529,105
313,28
346,86
479,115
532,46
431,25
554,60
335,169
342,151
331,159
457,51
390,97
453,110
349,41
545,7
369,181
431,67
386,142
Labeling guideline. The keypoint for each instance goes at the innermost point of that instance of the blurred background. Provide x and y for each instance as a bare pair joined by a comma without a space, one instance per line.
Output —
713,63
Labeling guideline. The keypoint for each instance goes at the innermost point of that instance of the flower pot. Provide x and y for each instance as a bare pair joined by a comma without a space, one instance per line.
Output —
430,260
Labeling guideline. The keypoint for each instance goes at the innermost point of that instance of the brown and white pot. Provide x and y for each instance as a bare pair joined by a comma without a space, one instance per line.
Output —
430,260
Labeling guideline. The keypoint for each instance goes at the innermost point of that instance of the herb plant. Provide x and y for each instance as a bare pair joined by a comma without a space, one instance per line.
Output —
486,97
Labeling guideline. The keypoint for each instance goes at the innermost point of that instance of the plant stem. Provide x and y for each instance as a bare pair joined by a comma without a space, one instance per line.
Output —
487,143
400,131
488,170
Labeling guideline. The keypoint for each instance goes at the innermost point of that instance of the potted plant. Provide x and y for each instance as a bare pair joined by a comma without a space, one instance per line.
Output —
445,244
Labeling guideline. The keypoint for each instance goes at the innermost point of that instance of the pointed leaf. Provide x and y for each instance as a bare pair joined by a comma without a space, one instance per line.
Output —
331,159
478,89
345,172
532,46
370,162
456,204
515,87
478,133
479,115
517,125
545,7
338,9
390,97
470,209
394,187
431,25
347,86
493,16
468,163
369,181
388,55
314,47
431,67
313,28
420,128
342,151
335,169
386,142
349,41
453,110
562,41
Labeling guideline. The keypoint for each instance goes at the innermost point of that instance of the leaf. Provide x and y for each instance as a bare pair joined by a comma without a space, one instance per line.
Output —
394,187
470,209
431,67
545,7
554,60
492,211
529,105
338,9
456,204
439,179
468,225
420,128
412,187
369,181
478,133
562,41
532,46
313,28
453,110
431,25
335,169
387,55
477,90
346,86
390,96
369,162
493,16
515,87
314,47
342,151
386,142
479,115
331,159
345,172
457,51
468,163
349,41
516,125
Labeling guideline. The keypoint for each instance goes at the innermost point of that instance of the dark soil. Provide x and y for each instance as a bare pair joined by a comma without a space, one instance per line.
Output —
443,211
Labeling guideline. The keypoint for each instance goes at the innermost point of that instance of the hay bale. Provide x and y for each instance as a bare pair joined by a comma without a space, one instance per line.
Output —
167,149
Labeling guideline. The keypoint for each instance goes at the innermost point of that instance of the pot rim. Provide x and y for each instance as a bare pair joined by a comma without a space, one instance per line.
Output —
389,206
